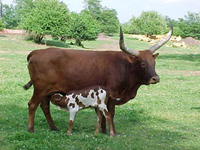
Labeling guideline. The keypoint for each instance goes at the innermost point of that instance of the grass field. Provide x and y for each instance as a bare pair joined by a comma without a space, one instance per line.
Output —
165,116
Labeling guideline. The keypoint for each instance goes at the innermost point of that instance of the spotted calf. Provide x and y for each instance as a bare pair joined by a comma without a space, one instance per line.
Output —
95,97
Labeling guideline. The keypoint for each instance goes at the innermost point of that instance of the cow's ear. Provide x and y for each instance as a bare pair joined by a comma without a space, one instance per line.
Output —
156,55
131,59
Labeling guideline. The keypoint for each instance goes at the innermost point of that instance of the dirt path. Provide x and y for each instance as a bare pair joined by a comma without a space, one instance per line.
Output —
114,46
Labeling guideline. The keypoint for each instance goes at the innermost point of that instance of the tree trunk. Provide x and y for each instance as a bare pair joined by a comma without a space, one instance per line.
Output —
38,38
78,43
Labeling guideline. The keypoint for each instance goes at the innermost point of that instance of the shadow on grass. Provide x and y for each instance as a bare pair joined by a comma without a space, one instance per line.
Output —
56,43
196,108
138,129
2,36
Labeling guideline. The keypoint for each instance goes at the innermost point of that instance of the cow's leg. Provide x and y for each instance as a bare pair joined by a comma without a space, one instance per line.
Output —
111,110
110,122
32,104
46,110
99,119
72,115
103,125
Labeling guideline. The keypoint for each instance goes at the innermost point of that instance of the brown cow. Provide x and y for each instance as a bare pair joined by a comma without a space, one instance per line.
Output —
55,70
96,97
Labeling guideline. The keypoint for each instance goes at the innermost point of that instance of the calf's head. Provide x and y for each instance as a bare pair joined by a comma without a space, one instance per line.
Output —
145,60
59,100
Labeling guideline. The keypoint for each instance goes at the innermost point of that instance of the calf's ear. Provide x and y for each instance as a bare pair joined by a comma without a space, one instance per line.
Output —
156,55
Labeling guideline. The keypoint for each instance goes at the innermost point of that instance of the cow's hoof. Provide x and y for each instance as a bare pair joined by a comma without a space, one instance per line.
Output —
69,133
117,134
31,130
104,131
55,129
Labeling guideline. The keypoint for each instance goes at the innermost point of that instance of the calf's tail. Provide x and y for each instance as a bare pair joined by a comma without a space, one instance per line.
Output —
27,85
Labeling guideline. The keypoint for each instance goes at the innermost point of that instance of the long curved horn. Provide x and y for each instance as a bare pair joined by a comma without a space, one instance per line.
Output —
163,41
124,48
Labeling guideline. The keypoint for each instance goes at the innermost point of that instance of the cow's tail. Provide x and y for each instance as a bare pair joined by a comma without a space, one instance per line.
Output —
27,85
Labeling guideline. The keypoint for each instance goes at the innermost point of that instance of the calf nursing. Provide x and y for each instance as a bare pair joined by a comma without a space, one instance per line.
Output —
91,97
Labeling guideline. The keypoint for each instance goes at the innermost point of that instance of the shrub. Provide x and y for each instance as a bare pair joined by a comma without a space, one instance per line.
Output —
83,27
47,17
2,25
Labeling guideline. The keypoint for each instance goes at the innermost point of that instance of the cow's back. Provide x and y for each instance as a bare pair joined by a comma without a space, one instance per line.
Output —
54,70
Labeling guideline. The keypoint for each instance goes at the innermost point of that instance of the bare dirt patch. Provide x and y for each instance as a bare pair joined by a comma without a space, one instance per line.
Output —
190,41
18,52
114,46
3,59
12,32
104,37
191,73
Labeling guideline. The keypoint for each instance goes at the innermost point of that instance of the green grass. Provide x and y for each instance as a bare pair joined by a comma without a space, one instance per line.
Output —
165,116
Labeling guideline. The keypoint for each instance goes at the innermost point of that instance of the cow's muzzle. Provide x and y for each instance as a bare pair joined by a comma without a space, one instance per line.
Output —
154,80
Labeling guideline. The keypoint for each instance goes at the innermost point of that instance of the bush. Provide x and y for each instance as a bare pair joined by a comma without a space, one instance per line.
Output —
108,21
105,17
47,17
190,25
149,23
2,25
10,16
83,27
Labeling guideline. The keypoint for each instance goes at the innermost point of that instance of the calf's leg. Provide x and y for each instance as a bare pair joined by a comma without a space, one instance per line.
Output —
110,122
111,110
72,115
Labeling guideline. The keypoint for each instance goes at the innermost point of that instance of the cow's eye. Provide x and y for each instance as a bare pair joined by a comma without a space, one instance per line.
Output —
143,64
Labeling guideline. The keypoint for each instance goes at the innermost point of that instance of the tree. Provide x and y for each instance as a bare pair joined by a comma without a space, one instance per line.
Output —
105,17
150,22
11,19
190,25
93,7
23,7
2,25
108,21
46,17
83,27
133,26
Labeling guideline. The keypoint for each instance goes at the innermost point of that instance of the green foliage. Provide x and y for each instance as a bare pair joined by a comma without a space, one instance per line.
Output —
46,17
149,23
108,21
190,25
131,27
126,28
11,18
2,25
93,7
105,17
83,27
23,7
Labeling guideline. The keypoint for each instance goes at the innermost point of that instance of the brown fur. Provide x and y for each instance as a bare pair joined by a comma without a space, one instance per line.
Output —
119,72
80,104
71,104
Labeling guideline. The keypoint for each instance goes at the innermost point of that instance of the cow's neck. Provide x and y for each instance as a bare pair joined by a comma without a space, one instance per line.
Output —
132,85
